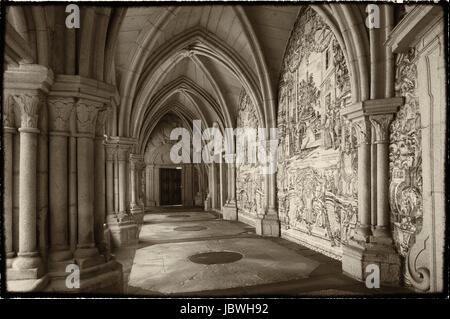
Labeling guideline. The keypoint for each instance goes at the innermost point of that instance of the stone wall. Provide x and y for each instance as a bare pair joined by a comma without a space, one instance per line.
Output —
317,159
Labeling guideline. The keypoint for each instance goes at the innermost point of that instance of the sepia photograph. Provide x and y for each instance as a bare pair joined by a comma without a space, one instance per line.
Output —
224,151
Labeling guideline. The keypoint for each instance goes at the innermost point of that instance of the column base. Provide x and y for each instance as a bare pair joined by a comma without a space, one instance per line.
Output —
124,233
207,205
229,212
87,257
26,285
26,266
357,255
268,225
9,259
137,213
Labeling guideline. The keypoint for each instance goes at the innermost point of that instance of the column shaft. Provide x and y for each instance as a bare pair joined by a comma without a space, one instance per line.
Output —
59,244
8,191
29,256
85,174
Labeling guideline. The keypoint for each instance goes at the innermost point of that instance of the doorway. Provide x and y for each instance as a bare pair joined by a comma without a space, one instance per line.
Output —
170,186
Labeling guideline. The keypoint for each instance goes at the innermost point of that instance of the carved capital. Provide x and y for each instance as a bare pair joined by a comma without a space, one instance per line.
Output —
381,124
8,111
86,116
29,109
111,152
123,152
60,109
100,124
362,129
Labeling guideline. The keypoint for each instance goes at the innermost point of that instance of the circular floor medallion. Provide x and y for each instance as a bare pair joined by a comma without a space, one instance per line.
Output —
216,257
178,216
190,228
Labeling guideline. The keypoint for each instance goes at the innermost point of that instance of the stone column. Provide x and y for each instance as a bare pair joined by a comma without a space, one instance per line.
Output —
134,186
363,129
122,158
59,112
73,206
86,113
213,185
188,189
136,207
156,185
364,248
99,178
149,173
230,209
381,126
111,153
269,225
28,255
8,132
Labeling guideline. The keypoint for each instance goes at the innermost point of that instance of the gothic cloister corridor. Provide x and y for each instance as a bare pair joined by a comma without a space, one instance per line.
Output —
224,149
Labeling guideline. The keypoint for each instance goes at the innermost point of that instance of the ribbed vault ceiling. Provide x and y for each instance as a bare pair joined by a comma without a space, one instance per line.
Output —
152,77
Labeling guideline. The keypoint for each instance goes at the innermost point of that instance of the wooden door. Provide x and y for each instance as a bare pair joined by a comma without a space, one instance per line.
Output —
170,186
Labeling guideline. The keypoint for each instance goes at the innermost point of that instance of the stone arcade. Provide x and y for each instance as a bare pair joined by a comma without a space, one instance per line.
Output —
87,118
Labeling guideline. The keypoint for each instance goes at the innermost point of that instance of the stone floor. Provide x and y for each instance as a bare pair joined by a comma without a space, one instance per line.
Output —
242,263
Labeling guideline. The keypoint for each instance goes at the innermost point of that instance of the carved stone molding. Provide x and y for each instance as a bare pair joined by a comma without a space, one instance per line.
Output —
8,112
29,109
123,152
111,151
362,130
60,109
381,124
100,123
86,112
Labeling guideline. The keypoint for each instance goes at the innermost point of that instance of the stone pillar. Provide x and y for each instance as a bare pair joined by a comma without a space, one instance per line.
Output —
381,125
8,148
269,224
73,206
213,185
122,158
111,153
100,179
364,248
149,185
86,113
123,228
29,261
188,198
136,162
133,180
157,186
363,129
59,112
230,209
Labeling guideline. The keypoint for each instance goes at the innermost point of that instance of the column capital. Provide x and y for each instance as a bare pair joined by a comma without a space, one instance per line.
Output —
362,129
86,112
123,152
359,114
60,109
381,124
29,106
101,122
111,151
8,112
